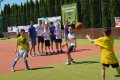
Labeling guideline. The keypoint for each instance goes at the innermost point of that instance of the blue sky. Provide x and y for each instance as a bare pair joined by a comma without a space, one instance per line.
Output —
12,2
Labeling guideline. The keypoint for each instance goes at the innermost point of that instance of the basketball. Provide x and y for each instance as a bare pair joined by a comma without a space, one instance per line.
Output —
78,25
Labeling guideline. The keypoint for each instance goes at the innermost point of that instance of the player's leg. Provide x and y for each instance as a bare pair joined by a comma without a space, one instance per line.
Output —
42,44
118,71
48,45
25,53
116,66
103,72
34,43
52,45
26,63
61,47
14,63
56,45
68,55
38,45
65,38
19,55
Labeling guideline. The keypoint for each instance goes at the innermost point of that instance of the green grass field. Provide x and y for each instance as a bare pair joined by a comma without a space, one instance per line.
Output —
79,41
88,69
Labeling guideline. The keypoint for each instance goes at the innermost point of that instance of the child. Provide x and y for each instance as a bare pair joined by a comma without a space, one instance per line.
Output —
66,32
52,35
32,37
58,34
107,54
40,30
46,35
23,43
72,40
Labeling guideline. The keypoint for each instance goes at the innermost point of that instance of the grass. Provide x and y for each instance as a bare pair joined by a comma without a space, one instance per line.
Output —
88,69
79,41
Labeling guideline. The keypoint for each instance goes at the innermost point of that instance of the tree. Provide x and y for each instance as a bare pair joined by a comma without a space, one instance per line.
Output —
105,6
95,13
51,8
36,10
85,12
114,10
57,8
31,10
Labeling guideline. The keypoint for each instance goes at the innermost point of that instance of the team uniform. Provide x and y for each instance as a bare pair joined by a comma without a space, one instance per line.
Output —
107,54
32,35
52,35
66,32
58,36
23,46
23,51
71,38
46,38
40,31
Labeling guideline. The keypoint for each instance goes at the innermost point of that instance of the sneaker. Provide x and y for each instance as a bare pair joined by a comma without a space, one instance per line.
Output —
68,63
47,53
12,69
61,51
27,68
57,52
31,55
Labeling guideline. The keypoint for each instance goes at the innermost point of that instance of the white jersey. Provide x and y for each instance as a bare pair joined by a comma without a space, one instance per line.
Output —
58,33
39,30
71,38
46,35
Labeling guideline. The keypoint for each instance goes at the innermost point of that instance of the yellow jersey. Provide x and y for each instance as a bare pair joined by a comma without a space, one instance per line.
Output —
23,43
107,52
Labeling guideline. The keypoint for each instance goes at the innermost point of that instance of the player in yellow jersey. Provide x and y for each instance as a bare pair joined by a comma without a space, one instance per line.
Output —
22,49
107,53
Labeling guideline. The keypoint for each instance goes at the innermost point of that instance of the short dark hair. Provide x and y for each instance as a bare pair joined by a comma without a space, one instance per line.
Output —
51,22
22,30
107,31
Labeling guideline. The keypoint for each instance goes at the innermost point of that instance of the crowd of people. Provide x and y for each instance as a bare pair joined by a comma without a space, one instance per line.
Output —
49,36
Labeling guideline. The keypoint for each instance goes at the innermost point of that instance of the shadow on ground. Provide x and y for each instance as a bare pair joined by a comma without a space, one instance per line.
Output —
87,62
41,68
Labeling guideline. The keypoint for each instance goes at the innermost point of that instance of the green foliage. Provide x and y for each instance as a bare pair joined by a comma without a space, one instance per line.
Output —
105,8
85,12
93,13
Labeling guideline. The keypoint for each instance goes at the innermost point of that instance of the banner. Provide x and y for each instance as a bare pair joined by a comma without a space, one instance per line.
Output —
117,21
69,12
46,20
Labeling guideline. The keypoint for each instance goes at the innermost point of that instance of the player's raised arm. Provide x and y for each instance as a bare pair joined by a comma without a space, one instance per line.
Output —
88,37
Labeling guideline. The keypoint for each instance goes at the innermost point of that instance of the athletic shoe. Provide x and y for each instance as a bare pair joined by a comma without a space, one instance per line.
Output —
57,52
68,63
47,53
61,51
12,69
31,55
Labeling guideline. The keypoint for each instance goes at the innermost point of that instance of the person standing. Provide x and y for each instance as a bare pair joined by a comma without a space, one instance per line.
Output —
22,49
40,31
66,32
108,57
52,35
32,37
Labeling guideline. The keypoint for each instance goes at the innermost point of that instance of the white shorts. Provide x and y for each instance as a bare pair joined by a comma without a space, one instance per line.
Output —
22,53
